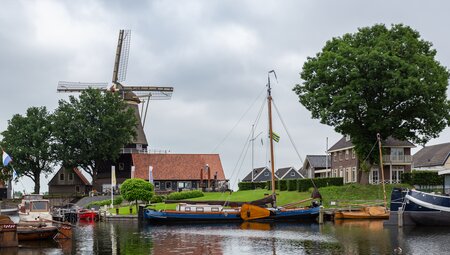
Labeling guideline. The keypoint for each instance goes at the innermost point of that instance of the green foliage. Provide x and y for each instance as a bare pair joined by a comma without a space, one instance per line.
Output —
92,128
378,80
117,201
136,189
157,199
292,184
185,195
306,184
251,185
27,140
425,178
282,184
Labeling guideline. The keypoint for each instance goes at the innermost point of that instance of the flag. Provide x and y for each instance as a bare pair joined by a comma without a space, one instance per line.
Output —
14,174
113,176
6,158
150,174
275,137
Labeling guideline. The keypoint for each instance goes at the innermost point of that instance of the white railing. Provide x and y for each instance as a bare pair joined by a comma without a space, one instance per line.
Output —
142,151
387,182
388,159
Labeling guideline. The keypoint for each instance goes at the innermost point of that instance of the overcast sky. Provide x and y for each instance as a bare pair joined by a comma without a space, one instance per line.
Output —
216,55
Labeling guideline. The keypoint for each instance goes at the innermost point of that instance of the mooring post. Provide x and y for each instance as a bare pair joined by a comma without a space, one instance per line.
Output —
400,217
321,212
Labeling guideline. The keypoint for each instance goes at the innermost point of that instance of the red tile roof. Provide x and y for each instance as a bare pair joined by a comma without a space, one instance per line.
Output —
177,166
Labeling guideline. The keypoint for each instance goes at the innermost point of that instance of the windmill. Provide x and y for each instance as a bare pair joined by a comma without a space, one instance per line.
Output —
133,95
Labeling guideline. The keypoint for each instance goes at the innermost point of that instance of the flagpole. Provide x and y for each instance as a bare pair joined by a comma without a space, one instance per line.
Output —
113,183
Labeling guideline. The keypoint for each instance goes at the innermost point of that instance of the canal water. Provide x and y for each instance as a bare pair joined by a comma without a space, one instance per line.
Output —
352,237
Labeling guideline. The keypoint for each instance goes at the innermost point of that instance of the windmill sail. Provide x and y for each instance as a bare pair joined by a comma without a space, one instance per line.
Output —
132,95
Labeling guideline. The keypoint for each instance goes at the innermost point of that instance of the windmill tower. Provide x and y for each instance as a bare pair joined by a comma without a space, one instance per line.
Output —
133,95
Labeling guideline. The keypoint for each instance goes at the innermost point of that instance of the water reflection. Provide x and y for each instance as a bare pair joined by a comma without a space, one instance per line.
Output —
344,237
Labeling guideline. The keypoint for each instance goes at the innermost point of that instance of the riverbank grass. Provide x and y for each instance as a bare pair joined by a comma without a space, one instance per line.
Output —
347,194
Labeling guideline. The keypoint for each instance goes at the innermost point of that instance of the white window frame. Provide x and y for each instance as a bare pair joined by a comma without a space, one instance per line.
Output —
354,173
347,154
353,154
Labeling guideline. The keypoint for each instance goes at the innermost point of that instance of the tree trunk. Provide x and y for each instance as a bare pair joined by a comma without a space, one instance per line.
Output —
37,182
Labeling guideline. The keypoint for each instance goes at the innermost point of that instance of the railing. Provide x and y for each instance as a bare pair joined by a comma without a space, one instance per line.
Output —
393,159
387,182
142,151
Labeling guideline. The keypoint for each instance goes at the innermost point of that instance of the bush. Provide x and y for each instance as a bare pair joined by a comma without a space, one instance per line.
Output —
117,201
282,184
292,184
425,178
185,195
305,184
157,199
251,185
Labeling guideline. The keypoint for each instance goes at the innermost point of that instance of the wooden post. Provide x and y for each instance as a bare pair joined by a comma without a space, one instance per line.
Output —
321,212
382,170
201,179
209,176
400,217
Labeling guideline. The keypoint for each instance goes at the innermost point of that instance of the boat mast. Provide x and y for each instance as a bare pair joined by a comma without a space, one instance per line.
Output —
382,169
269,104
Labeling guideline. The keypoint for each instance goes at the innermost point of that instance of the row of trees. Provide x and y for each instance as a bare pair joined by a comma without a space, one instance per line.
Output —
79,133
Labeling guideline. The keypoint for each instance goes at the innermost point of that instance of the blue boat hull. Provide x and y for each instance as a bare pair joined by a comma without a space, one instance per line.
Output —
165,217
153,216
421,208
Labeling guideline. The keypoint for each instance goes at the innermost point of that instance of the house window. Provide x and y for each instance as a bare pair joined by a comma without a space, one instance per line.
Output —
61,176
335,155
375,176
354,174
341,174
348,174
168,185
71,175
397,172
347,154
292,173
347,138
397,154
77,189
353,153
266,174
340,156
156,185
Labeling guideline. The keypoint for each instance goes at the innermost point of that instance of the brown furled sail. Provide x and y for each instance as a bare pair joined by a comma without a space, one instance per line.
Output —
263,202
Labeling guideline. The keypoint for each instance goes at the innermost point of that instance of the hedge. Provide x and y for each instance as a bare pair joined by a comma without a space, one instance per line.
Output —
184,195
424,178
282,184
251,185
292,184
117,201
305,184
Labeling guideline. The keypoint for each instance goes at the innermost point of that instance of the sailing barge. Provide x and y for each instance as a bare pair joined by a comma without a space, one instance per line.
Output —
224,211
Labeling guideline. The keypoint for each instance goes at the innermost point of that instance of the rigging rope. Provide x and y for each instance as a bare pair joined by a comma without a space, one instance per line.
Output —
237,123
289,135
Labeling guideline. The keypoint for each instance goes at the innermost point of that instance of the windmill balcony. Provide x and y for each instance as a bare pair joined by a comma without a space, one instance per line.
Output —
397,159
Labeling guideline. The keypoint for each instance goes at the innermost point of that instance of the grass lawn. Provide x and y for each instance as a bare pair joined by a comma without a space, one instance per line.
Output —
347,194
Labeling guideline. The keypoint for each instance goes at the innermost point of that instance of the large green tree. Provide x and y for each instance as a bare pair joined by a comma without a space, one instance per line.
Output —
377,80
27,140
92,128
